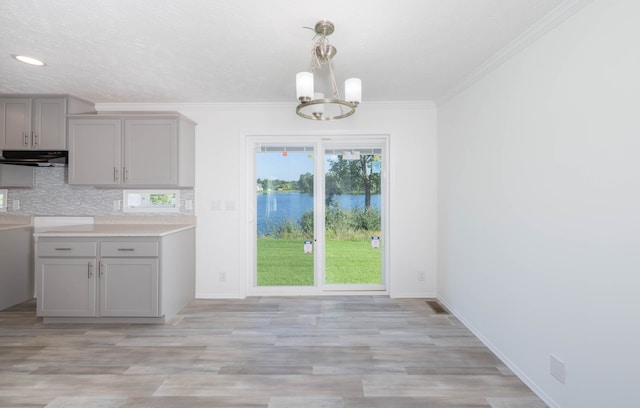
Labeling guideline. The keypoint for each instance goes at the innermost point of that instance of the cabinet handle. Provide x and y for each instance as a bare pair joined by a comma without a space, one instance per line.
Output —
115,174
126,249
34,136
89,270
26,138
126,174
63,249
101,271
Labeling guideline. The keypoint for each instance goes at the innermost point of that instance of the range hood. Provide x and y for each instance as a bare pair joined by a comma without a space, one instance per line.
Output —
39,158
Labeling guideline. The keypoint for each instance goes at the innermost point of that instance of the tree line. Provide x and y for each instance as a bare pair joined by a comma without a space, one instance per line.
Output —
346,177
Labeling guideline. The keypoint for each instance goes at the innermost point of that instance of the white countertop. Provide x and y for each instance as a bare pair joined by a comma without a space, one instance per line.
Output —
113,230
6,227
10,222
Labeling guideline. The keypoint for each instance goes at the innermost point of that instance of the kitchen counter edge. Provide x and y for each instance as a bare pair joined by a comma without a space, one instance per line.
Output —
7,227
114,230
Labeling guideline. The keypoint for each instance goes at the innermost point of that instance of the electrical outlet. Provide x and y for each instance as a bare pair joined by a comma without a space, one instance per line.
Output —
116,205
188,205
223,277
421,276
16,205
557,368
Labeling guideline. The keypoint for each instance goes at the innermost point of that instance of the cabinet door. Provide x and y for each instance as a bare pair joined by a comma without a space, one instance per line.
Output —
66,287
16,176
129,287
15,126
151,152
95,151
50,124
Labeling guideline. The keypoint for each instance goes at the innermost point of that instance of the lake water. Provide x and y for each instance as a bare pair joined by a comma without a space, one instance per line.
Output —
274,207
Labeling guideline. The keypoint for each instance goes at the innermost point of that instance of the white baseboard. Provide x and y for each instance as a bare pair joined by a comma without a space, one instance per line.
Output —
513,367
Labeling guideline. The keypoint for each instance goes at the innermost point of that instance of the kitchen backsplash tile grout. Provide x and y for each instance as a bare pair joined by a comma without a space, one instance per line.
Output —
51,195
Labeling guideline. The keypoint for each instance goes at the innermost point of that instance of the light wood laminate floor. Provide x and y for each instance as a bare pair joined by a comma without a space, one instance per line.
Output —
269,352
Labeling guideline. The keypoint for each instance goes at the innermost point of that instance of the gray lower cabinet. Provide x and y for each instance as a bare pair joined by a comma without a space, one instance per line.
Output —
97,278
128,275
66,286
116,278
16,265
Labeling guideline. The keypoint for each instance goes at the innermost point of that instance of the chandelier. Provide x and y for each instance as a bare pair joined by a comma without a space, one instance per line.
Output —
315,106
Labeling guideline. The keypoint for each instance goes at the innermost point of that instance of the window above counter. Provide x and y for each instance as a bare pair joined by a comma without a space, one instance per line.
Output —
151,201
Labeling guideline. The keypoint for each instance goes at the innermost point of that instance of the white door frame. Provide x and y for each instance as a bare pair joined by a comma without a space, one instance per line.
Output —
319,140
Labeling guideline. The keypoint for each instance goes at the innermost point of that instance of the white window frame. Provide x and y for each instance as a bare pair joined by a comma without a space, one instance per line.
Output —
128,196
3,202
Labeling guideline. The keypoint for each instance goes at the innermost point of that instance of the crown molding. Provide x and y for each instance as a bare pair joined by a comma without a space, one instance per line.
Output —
551,20
245,106
191,106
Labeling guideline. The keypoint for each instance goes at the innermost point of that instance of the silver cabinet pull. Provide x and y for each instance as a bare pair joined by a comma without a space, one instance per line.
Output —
89,270
35,138
126,249
115,174
101,272
63,249
26,138
126,174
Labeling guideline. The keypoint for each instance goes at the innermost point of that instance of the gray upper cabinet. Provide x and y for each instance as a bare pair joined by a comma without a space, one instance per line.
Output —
132,150
95,147
15,132
37,122
16,176
151,152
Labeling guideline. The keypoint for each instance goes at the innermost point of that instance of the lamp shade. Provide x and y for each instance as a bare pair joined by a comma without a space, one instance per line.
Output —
304,85
353,90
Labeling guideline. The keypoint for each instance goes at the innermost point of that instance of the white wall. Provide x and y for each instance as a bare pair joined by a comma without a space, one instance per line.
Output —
220,164
538,208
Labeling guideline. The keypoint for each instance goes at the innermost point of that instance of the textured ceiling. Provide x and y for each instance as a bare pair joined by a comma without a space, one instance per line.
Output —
250,50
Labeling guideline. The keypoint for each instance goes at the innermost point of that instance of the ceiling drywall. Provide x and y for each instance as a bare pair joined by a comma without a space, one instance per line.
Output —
250,50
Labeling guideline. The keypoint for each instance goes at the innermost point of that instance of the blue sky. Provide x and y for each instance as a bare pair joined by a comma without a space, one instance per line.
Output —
273,165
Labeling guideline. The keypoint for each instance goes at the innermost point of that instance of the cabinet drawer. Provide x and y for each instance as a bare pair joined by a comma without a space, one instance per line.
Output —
67,248
128,248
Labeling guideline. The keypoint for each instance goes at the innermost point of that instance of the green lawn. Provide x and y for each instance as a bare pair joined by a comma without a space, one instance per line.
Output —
282,262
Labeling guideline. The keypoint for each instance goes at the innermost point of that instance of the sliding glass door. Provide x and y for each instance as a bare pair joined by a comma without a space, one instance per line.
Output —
323,233
353,217
285,212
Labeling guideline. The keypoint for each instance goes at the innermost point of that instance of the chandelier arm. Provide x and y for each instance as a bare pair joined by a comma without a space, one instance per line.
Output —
336,92
334,85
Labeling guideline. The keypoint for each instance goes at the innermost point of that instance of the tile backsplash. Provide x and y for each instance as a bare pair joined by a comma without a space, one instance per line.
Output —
51,195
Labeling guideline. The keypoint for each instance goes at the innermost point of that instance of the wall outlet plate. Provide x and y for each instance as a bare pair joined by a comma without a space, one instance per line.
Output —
557,368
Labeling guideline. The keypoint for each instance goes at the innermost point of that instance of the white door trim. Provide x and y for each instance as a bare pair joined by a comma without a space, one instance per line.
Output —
248,234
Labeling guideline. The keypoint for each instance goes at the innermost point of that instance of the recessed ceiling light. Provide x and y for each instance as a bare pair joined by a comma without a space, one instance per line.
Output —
29,60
